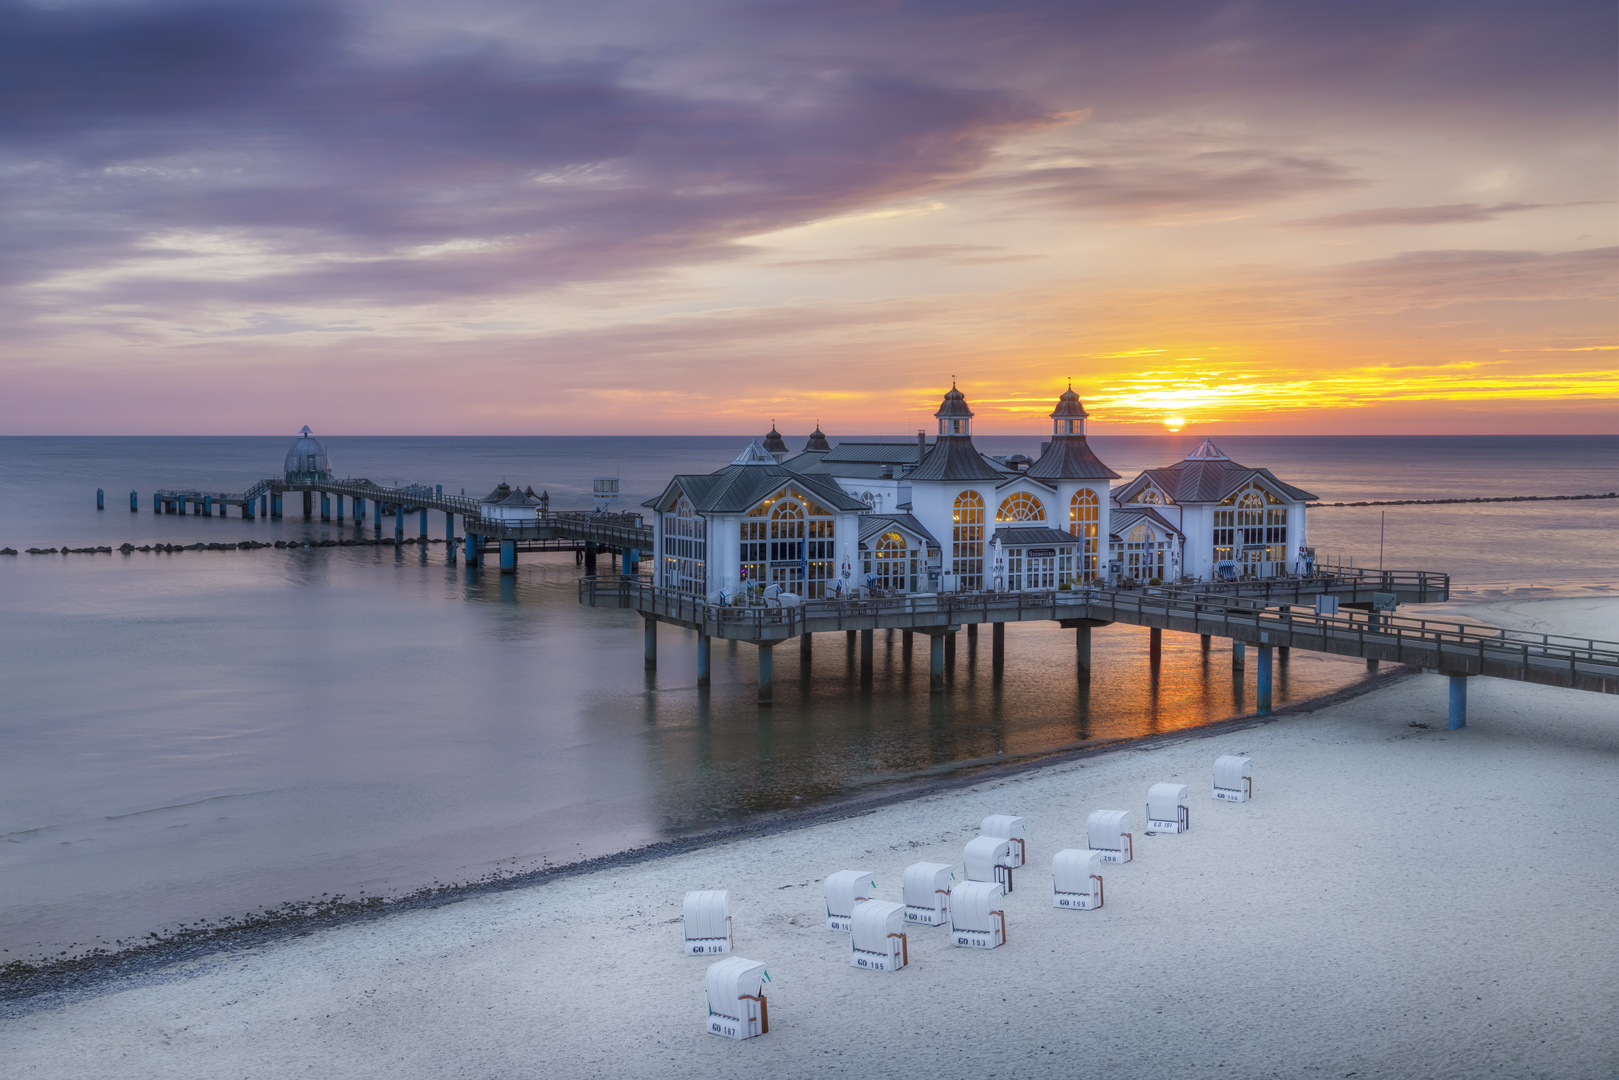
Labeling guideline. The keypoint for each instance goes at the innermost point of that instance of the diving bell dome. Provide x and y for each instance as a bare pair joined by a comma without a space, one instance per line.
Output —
307,461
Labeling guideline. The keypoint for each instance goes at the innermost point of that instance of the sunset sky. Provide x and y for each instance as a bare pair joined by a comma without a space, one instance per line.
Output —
683,216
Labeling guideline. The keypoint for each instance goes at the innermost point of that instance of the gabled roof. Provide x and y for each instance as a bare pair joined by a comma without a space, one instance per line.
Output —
1120,522
737,489
873,524
1036,481
953,457
1206,475
1031,536
1069,457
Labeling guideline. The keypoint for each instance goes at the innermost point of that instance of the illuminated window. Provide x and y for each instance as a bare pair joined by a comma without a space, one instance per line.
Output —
685,549
1084,520
1151,497
967,540
1021,506
792,546
895,567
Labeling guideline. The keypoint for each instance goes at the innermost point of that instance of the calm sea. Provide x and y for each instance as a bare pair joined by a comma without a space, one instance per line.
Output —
202,735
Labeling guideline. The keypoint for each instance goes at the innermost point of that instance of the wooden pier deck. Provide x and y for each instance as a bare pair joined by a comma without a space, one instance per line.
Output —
1455,649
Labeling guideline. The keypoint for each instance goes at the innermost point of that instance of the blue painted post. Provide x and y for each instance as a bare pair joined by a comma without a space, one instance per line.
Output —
325,507
935,663
101,499
1238,655
632,559
247,509
376,515
702,660
474,550
134,502
157,504
649,643
438,490
508,556
207,506
1264,680
1458,701
421,525
765,671
399,523
340,509
309,505
449,530
359,510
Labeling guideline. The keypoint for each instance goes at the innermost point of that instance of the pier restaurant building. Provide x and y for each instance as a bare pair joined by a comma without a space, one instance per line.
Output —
921,517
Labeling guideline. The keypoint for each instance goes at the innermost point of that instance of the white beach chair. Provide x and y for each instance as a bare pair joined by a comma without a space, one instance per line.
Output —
1233,778
1108,831
1008,828
1167,811
844,890
985,859
708,922
977,915
925,889
1076,880
736,998
877,936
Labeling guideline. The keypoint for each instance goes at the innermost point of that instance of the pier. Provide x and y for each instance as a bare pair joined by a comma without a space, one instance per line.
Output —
1266,622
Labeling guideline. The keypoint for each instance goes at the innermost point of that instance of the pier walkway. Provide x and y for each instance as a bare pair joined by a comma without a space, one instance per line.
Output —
1240,612
592,530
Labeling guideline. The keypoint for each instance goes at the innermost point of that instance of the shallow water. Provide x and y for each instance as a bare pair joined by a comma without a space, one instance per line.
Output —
203,734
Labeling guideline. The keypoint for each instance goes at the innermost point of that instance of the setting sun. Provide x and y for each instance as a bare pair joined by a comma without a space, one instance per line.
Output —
1174,423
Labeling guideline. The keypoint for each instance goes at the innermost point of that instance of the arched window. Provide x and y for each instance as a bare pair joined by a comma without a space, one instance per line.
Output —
967,540
788,540
685,549
1084,521
1020,506
893,563
1151,497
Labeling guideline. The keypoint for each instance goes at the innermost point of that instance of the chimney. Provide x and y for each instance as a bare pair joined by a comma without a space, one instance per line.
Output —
921,446
888,472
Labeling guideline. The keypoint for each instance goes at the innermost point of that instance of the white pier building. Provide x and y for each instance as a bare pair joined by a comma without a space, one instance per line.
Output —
910,517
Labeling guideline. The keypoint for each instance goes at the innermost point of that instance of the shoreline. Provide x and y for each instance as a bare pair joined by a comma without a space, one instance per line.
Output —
27,987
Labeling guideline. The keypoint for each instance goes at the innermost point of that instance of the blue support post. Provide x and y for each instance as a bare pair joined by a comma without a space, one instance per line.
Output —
438,490
474,550
376,515
421,525
134,502
101,499
1238,655
325,507
1458,701
247,509
157,504
702,660
936,663
632,559
766,672
399,523
207,506
449,530
508,556
1264,680
359,510
340,509
649,643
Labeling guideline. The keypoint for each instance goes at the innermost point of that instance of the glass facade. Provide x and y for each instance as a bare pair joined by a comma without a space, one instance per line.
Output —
1084,521
788,540
967,540
685,550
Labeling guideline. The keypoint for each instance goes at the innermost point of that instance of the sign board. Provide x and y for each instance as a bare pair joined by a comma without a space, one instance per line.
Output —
1042,553
1384,601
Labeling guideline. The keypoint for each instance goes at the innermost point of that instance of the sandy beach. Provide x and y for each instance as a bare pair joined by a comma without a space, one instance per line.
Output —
1399,900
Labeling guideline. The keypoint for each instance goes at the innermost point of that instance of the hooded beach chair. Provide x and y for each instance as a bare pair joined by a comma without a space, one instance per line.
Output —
1076,880
877,936
1233,778
925,889
1008,828
1167,811
1108,832
977,915
708,923
986,859
736,998
844,890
